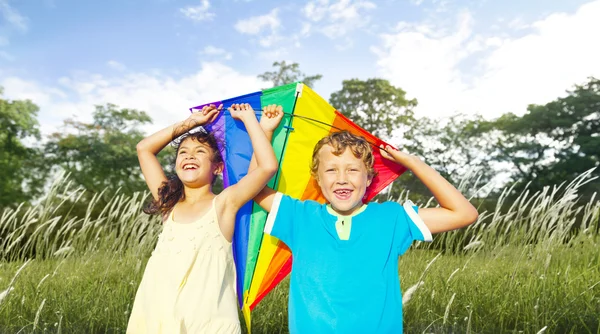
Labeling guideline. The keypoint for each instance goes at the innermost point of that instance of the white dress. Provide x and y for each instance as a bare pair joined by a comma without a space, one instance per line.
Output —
189,282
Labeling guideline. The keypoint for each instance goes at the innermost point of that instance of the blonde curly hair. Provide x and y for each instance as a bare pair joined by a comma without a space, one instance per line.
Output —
341,140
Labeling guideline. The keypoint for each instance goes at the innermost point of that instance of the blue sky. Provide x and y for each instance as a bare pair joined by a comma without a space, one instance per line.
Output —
162,56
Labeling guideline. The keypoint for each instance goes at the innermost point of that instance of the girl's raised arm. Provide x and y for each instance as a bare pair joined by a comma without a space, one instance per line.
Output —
149,147
250,185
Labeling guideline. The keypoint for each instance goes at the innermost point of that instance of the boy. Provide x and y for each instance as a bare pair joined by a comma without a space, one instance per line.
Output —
345,271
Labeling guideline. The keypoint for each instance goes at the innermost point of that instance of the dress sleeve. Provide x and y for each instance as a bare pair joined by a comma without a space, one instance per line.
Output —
280,221
410,227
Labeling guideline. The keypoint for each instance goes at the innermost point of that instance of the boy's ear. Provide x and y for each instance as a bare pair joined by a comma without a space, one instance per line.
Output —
369,180
316,181
316,177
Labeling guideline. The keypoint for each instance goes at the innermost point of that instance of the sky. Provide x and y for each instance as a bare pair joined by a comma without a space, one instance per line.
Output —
164,56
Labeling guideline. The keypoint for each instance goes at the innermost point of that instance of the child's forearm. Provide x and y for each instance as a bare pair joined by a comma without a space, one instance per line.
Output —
263,155
253,164
445,193
456,211
158,140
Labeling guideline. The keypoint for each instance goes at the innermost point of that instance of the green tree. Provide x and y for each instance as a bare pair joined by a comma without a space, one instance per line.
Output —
375,105
461,146
101,154
287,73
22,166
555,142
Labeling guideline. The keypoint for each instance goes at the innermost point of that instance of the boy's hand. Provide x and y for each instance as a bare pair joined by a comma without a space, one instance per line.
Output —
240,111
393,154
207,115
271,117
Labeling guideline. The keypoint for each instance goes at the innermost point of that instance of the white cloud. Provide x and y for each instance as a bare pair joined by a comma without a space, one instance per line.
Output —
466,72
198,13
12,16
164,98
255,25
116,65
518,24
267,26
270,40
337,18
274,54
18,89
214,51
306,28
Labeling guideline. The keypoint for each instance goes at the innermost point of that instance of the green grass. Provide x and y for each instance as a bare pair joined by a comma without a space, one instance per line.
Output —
531,267
513,290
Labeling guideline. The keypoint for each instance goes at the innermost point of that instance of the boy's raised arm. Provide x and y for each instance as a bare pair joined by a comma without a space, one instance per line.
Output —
269,121
455,210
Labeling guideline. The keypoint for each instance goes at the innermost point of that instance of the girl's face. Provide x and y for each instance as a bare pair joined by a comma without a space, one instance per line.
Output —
194,165
343,179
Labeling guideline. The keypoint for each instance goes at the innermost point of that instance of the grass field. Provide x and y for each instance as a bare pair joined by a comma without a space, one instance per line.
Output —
532,267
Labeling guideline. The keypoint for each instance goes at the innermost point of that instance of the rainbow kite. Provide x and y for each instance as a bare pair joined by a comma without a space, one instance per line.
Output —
262,261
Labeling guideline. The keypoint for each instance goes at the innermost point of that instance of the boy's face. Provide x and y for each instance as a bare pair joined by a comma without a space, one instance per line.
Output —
343,179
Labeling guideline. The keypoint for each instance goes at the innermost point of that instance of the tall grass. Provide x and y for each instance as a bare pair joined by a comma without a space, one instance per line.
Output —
39,232
528,266
547,218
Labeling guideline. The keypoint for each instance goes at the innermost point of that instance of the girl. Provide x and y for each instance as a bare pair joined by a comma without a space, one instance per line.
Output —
189,282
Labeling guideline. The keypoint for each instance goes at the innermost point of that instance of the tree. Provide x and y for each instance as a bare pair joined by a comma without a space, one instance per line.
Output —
102,154
22,166
459,148
288,73
375,105
454,147
555,142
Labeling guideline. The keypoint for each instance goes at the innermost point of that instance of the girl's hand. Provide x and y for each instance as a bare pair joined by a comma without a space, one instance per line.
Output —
271,117
239,111
207,115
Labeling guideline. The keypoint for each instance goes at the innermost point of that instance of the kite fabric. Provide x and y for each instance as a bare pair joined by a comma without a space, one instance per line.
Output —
262,261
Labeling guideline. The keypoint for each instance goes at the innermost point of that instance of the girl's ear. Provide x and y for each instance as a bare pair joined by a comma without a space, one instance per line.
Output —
219,169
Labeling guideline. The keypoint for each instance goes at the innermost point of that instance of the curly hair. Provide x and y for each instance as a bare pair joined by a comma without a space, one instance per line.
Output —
171,191
341,140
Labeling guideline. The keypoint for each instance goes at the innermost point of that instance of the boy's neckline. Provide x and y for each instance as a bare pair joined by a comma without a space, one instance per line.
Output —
331,211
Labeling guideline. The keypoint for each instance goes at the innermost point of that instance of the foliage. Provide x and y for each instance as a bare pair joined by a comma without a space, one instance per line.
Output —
375,105
288,73
555,141
455,148
23,170
101,154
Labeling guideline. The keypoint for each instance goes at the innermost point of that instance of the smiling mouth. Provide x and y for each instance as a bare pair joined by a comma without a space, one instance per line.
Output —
342,194
190,167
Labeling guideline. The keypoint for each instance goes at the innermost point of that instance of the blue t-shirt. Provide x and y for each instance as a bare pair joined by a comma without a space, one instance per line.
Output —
345,286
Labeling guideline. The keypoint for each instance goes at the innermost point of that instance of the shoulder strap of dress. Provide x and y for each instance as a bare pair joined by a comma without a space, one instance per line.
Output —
213,204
